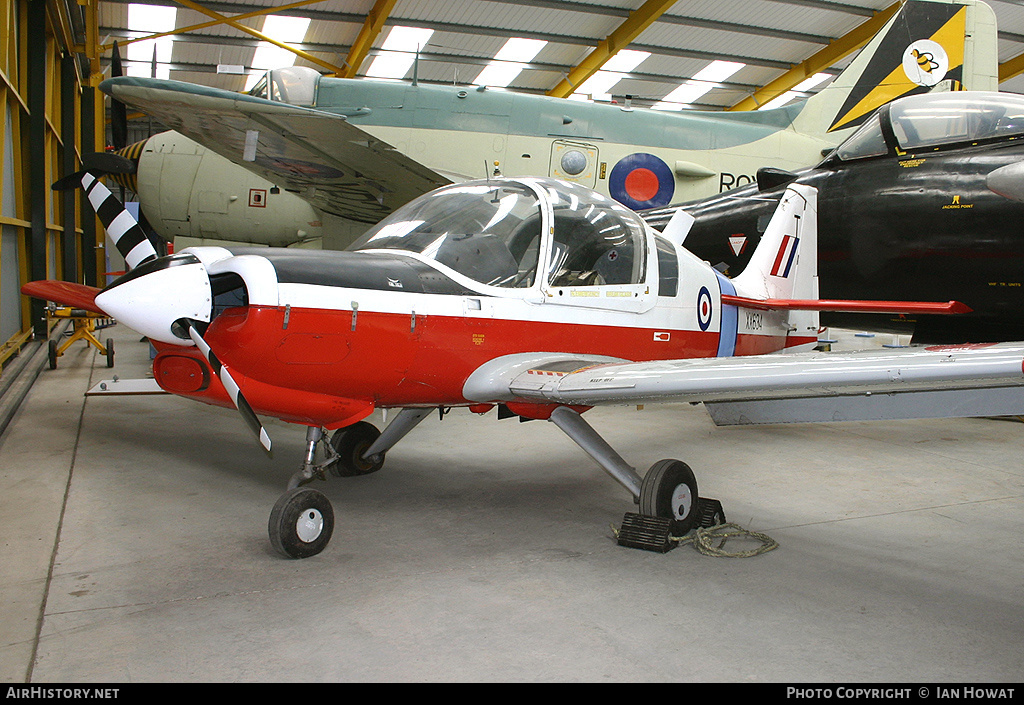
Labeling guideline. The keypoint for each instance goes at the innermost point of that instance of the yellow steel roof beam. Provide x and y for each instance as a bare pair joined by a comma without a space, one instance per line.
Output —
821,60
367,35
1011,67
260,35
623,35
212,23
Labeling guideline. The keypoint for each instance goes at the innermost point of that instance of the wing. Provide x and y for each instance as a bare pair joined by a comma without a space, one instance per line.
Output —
983,379
320,156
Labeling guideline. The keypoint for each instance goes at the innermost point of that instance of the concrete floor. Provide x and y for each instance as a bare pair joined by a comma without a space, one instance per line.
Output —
135,549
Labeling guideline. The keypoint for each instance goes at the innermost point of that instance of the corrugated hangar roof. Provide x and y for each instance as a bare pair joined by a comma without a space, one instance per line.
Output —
669,42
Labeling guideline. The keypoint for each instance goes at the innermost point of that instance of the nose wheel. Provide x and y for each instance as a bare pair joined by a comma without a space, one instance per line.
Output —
301,523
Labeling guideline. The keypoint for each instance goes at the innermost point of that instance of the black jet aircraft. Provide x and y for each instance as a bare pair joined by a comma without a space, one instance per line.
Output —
924,201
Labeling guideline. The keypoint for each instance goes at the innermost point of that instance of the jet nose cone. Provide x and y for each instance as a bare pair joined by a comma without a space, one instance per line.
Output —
1007,181
153,296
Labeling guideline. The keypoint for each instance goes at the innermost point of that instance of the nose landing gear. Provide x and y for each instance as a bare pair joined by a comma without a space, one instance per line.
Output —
302,521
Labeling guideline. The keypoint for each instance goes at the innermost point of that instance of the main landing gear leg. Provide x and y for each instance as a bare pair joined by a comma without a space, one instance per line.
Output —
597,448
406,421
669,490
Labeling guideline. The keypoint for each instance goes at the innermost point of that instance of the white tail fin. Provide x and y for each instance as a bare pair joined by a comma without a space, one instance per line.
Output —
927,45
785,263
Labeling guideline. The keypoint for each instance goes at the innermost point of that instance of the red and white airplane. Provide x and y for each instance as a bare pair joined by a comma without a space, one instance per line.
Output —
540,297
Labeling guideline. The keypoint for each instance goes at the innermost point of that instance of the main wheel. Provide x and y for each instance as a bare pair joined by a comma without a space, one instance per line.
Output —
301,523
53,354
350,443
110,352
669,490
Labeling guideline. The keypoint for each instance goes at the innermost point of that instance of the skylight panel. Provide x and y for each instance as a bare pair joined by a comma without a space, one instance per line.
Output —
796,92
520,49
809,83
499,73
683,95
625,61
150,19
290,30
509,62
599,85
718,71
702,82
398,52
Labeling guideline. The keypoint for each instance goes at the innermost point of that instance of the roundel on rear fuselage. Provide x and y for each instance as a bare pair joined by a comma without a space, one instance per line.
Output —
641,181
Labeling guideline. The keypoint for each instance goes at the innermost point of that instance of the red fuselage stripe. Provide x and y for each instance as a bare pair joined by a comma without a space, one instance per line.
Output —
390,360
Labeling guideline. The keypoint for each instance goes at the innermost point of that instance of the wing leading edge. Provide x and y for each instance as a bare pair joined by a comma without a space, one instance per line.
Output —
820,382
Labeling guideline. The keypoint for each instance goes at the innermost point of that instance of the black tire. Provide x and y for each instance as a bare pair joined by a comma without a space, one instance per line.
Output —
301,523
53,354
350,443
110,352
669,490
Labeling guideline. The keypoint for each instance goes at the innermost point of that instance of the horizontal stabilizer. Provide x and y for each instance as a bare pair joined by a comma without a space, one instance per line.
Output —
65,294
909,307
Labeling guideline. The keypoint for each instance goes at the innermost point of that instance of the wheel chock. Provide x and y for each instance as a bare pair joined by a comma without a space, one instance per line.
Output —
656,533
648,533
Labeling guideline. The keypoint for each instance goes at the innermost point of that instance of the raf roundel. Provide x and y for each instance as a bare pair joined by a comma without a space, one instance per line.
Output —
641,181
704,308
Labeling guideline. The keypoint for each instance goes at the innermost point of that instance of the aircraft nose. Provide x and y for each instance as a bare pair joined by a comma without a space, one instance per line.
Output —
1007,181
161,298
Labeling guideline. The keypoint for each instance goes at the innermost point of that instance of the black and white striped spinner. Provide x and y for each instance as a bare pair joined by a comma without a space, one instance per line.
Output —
232,389
124,230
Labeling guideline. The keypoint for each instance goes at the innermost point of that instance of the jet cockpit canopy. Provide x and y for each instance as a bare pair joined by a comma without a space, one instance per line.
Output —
295,85
934,120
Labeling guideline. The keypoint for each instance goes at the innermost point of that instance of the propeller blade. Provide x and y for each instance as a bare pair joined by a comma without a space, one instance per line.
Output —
118,111
232,388
109,163
124,230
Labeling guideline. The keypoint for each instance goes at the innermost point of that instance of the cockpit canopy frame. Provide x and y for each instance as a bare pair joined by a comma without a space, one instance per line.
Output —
294,85
515,234
934,121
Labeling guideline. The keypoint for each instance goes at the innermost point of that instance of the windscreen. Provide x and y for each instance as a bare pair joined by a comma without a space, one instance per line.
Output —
489,232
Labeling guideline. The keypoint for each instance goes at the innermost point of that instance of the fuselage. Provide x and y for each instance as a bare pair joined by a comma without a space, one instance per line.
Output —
323,338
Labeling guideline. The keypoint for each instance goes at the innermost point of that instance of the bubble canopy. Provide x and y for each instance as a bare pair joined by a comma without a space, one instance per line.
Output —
935,120
515,233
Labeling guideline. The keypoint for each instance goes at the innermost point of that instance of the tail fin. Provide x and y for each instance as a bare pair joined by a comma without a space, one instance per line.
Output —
927,45
785,263
121,226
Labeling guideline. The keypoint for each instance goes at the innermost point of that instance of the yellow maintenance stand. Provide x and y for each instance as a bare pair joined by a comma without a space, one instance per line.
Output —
85,324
